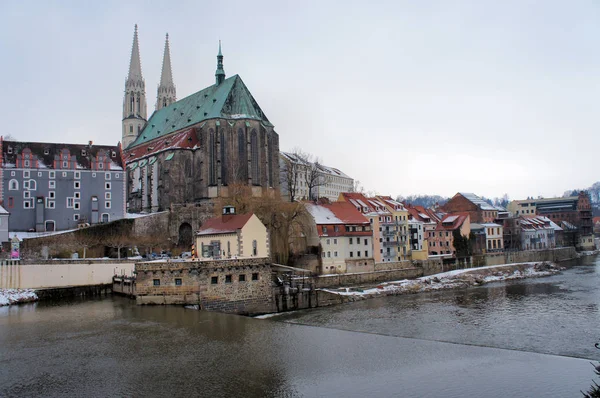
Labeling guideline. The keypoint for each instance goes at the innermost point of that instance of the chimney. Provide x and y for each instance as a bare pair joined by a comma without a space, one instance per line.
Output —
90,143
228,213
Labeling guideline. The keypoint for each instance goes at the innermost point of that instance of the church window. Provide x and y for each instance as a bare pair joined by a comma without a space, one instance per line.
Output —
242,158
138,105
131,129
212,154
270,159
13,185
255,158
131,103
223,160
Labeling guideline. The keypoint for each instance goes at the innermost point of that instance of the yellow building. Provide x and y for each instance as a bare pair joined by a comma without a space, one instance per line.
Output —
232,235
400,218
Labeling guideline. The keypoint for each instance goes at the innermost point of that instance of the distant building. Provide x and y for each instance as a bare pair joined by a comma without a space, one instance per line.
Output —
479,210
54,186
429,218
400,217
345,237
232,235
4,219
331,182
442,241
536,233
385,235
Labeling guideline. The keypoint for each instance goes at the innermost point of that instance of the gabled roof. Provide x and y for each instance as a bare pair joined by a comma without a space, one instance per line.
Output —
224,225
47,152
450,222
336,213
229,100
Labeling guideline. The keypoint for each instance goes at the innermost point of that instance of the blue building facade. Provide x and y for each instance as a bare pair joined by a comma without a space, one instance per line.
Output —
53,187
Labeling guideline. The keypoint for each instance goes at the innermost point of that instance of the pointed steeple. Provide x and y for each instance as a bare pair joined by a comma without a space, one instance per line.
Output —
166,94
134,101
135,66
220,73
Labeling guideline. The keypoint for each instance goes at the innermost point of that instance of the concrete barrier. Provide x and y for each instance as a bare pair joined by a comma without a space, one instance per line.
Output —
49,275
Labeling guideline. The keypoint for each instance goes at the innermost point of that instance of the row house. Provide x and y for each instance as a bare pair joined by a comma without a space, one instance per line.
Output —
429,219
296,173
489,237
442,239
385,236
400,218
344,235
418,245
536,233
55,186
575,210
479,210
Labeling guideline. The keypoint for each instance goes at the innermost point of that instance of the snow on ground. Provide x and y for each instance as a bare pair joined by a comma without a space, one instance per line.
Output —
588,253
453,279
16,296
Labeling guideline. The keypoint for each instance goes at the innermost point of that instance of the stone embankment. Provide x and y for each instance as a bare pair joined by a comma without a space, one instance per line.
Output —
450,280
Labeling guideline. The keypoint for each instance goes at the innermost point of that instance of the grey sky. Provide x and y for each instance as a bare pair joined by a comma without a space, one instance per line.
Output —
408,97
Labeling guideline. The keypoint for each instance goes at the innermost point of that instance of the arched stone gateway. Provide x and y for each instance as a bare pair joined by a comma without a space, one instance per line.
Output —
186,235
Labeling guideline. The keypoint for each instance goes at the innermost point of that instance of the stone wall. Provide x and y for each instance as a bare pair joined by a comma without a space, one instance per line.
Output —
554,255
393,265
328,281
241,286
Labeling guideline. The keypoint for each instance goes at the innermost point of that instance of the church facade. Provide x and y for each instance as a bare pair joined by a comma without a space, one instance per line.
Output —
196,148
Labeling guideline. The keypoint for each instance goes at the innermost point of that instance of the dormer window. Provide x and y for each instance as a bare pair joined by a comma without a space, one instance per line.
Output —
9,150
46,151
83,152
114,154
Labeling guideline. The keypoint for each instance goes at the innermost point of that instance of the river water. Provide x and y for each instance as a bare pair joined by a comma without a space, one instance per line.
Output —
526,338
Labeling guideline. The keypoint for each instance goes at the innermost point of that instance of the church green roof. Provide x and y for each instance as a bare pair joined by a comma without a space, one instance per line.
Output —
229,100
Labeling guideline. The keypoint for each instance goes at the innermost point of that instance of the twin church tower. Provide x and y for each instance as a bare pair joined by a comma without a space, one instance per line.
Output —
134,102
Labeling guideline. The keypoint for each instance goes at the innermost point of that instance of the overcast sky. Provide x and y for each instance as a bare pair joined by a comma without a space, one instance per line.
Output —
408,97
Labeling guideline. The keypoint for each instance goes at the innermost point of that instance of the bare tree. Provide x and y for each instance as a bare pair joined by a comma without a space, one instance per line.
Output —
117,239
357,187
315,176
86,240
294,163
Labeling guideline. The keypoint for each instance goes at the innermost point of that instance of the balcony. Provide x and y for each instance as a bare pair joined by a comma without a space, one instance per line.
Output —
390,243
388,233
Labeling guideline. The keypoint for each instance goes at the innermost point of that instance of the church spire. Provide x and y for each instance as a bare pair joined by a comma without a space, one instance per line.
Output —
134,101
220,73
166,90
135,66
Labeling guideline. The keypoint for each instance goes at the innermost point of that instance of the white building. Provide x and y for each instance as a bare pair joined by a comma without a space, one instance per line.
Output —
331,181
494,237
537,233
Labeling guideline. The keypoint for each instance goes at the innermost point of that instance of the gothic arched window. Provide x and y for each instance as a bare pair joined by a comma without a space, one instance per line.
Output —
223,159
13,185
131,103
255,158
270,159
212,154
242,157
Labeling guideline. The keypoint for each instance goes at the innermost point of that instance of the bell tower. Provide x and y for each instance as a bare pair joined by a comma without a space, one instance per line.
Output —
134,101
166,95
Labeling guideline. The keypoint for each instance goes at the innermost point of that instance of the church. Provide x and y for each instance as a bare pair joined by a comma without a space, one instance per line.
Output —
193,149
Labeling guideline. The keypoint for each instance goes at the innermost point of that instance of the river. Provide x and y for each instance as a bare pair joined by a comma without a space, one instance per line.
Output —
524,338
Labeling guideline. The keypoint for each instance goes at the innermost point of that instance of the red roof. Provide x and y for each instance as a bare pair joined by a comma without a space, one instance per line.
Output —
224,224
450,222
596,220
183,140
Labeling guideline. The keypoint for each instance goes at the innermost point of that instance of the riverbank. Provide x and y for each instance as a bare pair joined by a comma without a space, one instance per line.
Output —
458,279
17,296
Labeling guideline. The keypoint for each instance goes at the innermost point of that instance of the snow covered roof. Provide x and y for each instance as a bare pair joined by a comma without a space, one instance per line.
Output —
3,210
479,202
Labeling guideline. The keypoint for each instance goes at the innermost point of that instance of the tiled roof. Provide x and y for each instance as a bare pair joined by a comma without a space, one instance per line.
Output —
365,205
46,153
336,213
450,222
224,225
229,100
185,139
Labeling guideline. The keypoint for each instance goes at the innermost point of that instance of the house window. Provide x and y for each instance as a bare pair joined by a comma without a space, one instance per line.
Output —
13,185
26,163
107,176
76,205
255,276
335,241
50,204
177,281
25,184
26,174
214,280
105,217
39,174
254,248
65,165
77,175
52,174
107,185
12,174
366,253
64,174
26,195
77,195
50,226
335,254
242,278
76,217
107,195
328,254
366,241
101,165
117,175
28,204
70,202
328,242
351,254
107,204
52,184
156,282
350,240
93,175
227,278
76,185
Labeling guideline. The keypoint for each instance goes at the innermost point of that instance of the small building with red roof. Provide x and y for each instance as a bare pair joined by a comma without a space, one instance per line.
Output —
232,236
344,235
442,242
